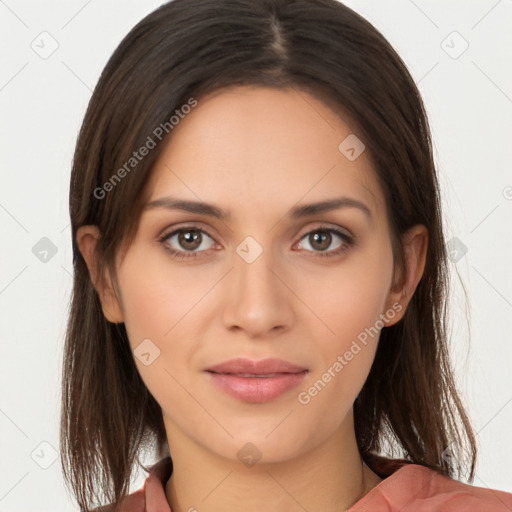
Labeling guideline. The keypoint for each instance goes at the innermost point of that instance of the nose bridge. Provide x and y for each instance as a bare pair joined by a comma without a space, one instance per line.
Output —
252,268
257,300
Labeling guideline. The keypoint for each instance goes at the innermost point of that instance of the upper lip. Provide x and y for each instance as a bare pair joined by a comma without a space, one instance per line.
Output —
259,367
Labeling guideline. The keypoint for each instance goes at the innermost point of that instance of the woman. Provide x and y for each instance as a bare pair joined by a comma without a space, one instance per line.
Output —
260,273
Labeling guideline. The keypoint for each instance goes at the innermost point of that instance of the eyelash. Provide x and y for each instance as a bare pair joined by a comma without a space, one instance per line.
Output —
348,242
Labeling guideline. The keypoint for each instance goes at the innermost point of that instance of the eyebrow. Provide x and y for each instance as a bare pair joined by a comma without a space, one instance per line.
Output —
297,212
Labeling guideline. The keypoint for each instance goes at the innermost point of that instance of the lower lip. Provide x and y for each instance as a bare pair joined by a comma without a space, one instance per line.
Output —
257,389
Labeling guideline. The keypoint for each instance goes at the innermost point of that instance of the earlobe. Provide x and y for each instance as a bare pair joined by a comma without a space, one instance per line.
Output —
415,243
86,239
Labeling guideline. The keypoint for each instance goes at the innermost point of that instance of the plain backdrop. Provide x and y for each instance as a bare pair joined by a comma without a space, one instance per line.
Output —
459,54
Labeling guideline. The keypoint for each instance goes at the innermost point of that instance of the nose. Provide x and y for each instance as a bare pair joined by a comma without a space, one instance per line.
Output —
258,298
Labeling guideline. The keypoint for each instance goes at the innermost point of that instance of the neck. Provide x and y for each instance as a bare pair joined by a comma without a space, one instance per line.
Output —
331,477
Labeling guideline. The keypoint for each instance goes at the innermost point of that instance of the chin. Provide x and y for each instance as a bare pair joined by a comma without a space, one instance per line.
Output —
254,443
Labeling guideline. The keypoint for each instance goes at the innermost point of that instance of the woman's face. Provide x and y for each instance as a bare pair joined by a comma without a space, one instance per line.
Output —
273,278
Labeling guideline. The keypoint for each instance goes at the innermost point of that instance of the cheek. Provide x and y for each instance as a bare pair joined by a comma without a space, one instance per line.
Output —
344,361
156,321
157,302
352,297
350,303
162,320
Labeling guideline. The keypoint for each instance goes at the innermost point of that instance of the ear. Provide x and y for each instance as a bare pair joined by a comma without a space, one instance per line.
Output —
415,242
86,239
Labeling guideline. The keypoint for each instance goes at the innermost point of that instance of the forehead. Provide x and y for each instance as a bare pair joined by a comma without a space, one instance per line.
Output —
254,147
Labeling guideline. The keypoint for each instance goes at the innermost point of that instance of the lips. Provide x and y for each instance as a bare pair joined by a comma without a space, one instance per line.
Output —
264,367
256,381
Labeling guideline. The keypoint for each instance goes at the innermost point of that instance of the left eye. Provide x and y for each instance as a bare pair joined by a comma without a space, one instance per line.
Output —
321,239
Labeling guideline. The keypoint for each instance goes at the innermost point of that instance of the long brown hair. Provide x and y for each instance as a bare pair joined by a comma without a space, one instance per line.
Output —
179,52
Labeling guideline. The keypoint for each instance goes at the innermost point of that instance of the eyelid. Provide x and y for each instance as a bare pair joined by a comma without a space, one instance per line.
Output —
167,232
199,226
329,227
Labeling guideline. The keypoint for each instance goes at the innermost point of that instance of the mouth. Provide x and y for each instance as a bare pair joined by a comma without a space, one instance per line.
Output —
252,375
256,381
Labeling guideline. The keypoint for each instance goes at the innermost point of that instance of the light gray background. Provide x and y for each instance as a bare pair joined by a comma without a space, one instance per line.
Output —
43,100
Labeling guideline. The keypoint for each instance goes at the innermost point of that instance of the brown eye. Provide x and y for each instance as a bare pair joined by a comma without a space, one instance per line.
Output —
320,240
187,240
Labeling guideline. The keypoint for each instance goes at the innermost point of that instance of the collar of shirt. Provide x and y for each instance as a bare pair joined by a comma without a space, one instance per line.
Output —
406,487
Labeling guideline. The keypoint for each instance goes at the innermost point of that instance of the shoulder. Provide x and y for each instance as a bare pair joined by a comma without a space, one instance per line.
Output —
153,490
135,502
412,487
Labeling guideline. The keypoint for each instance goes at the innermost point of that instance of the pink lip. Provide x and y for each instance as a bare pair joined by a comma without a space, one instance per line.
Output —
256,381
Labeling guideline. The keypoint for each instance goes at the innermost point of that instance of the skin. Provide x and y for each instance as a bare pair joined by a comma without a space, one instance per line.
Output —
258,152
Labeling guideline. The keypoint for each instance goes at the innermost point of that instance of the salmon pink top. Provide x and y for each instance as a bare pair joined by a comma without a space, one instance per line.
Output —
405,487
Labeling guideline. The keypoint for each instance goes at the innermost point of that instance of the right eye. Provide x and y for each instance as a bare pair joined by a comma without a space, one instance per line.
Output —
186,242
